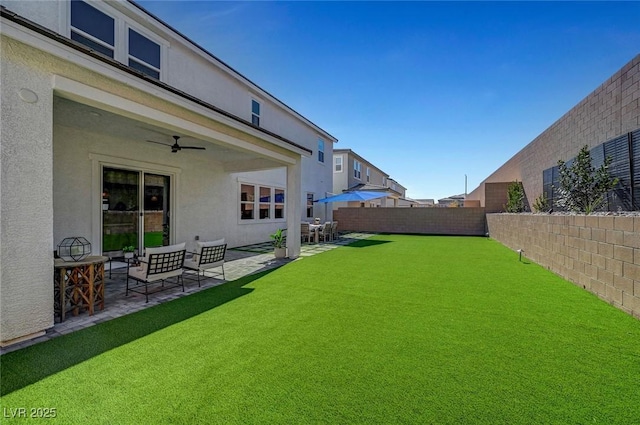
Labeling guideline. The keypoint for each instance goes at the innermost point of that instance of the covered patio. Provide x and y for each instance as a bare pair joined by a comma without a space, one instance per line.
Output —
239,262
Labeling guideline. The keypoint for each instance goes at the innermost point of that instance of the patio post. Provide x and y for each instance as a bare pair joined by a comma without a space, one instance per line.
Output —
26,224
294,207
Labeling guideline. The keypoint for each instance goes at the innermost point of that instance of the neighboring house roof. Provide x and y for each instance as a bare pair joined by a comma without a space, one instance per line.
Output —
452,198
352,153
372,188
7,14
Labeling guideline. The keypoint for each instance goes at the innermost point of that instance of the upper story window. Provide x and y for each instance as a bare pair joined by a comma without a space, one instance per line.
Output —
357,168
320,150
144,54
338,164
368,174
255,112
92,28
112,34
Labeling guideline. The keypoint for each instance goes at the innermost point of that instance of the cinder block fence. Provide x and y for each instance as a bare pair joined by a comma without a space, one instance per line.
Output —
599,253
428,221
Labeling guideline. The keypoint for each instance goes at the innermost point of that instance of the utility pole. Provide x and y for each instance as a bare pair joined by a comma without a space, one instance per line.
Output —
465,185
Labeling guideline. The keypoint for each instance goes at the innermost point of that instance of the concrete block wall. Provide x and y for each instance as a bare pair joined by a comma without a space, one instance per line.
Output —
598,253
433,221
611,110
496,196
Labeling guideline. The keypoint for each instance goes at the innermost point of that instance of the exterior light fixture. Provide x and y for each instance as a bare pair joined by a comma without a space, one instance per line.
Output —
520,251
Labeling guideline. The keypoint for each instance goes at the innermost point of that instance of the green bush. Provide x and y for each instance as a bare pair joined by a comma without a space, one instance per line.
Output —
583,188
541,204
515,200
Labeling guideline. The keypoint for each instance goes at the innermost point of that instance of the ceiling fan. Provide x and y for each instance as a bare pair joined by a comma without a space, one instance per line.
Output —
176,147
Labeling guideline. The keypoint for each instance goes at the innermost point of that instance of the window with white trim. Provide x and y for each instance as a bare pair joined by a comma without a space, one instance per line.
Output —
247,201
357,169
368,174
115,35
267,201
320,150
255,112
278,204
92,28
338,164
144,54
309,205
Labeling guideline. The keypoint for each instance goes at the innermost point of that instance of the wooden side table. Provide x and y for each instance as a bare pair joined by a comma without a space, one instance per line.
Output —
78,285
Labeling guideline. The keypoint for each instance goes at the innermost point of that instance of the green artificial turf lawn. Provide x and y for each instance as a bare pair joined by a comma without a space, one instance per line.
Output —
393,329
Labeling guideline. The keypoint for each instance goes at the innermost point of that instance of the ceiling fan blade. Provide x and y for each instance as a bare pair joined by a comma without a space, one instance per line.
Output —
158,143
192,147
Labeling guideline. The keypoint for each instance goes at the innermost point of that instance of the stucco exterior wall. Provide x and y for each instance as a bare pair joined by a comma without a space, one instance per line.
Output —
609,111
207,204
429,221
48,173
599,253
26,222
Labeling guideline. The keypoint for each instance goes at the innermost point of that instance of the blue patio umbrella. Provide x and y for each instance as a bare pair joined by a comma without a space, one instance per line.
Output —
353,196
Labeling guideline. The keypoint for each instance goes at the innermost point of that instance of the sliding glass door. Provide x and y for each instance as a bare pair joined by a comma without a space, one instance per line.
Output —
156,210
124,222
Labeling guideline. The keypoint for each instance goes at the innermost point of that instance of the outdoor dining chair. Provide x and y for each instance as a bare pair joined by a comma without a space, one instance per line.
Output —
305,233
208,255
334,230
325,232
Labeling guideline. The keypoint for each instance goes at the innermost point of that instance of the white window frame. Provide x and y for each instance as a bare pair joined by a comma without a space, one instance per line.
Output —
135,59
251,202
337,164
256,203
257,116
368,175
320,150
122,24
307,204
96,40
357,169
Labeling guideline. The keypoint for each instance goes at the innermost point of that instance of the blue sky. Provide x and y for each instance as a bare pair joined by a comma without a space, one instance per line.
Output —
426,91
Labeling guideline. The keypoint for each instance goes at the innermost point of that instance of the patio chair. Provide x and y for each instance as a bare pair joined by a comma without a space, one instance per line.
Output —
305,233
324,233
208,255
158,265
334,230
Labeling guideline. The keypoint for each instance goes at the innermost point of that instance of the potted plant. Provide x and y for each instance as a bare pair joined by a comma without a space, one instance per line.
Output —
280,250
128,251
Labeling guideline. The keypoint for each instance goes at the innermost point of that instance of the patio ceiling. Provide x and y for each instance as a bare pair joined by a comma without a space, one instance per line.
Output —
73,114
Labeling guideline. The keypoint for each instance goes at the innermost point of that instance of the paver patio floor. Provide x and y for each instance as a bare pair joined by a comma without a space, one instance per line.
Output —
239,262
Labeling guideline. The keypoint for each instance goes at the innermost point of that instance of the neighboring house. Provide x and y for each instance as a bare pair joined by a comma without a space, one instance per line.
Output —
426,202
451,201
90,91
351,172
607,121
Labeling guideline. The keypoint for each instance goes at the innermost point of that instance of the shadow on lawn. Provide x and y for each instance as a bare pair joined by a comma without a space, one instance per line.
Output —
364,243
31,364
